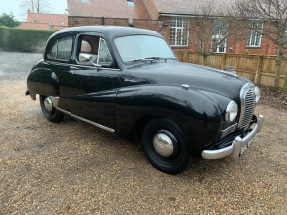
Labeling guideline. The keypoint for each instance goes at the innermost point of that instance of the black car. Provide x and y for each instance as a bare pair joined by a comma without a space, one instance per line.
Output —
128,81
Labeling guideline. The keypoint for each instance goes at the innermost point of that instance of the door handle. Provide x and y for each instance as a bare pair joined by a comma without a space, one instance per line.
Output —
73,68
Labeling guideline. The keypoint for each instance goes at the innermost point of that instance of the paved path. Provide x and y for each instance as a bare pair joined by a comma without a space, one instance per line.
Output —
16,66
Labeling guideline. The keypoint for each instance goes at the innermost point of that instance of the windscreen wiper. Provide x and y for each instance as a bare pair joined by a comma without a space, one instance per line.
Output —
152,59
155,58
137,59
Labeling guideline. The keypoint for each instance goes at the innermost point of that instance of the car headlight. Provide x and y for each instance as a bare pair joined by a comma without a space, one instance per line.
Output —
231,111
257,94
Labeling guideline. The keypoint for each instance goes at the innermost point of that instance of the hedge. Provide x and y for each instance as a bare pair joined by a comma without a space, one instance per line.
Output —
23,40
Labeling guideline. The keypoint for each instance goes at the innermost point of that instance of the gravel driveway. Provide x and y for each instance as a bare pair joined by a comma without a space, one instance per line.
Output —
75,168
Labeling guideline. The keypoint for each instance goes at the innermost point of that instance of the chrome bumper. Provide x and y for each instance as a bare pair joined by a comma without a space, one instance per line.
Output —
238,143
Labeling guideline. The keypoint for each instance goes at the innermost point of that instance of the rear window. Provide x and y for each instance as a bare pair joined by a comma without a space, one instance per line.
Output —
61,49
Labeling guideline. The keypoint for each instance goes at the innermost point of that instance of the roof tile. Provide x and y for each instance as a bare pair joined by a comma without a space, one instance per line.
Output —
108,9
54,19
185,7
40,26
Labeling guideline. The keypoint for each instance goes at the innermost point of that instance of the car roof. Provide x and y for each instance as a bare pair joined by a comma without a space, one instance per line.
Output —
109,31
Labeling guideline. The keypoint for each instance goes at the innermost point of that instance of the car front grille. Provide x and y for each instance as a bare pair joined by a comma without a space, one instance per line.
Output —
247,106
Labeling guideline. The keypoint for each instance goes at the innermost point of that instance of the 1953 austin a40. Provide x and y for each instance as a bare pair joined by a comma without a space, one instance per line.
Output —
128,81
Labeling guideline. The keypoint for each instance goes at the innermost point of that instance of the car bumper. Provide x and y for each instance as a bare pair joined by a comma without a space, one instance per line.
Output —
238,144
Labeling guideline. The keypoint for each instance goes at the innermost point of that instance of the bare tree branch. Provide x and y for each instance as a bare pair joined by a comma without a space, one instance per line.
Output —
274,15
35,6
213,28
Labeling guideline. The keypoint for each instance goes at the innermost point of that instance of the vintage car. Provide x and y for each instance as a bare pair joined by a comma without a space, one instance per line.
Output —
128,81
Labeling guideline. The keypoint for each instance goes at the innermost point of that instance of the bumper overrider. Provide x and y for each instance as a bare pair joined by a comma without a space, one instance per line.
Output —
238,145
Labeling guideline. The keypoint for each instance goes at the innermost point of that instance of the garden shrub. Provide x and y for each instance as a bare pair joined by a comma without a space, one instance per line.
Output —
23,40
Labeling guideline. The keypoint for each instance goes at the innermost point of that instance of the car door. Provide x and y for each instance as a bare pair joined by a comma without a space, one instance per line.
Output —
57,68
94,82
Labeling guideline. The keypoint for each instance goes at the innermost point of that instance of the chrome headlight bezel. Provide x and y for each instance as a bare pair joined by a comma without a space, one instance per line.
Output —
257,94
231,111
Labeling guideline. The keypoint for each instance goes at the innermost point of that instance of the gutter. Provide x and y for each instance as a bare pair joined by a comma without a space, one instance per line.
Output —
186,15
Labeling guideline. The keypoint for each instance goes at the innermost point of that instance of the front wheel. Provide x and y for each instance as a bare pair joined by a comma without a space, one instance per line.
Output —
163,144
49,111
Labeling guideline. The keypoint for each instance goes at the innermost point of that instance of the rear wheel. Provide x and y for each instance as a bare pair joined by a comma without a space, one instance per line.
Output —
49,111
163,144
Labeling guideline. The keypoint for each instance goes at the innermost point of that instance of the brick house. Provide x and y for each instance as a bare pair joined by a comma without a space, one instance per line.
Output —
45,21
171,18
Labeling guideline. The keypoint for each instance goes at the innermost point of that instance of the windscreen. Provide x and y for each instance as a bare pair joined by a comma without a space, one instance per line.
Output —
142,46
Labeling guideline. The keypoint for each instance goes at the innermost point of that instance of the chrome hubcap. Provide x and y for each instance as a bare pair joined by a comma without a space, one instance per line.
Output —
48,104
163,144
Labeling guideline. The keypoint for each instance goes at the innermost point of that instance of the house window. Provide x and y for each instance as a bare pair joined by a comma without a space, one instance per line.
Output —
85,1
179,32
219,34
131,3
255,35
285,39
218,44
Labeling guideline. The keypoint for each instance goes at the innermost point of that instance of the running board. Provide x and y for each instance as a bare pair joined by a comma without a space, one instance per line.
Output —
55,103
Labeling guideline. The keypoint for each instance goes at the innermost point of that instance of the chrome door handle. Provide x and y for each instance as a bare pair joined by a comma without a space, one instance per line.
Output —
74,68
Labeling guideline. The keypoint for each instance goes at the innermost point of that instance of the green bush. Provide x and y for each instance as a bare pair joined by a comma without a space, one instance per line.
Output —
23,40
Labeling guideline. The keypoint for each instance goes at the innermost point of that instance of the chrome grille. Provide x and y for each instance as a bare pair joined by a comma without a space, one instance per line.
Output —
247,106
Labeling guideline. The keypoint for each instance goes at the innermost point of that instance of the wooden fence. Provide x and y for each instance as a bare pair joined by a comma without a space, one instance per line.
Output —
258,69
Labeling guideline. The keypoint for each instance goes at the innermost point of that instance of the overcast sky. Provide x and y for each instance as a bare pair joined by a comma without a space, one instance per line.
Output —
7,6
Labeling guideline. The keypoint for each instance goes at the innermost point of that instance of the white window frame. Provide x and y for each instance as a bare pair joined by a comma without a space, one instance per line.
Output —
254,37
180,31
85,1
219,47
218,35
131,3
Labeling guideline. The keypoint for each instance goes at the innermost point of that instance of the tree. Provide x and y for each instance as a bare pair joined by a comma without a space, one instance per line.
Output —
273,14
8,20
212,28
35,6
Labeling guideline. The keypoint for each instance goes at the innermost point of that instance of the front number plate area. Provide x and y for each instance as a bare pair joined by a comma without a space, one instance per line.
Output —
243,148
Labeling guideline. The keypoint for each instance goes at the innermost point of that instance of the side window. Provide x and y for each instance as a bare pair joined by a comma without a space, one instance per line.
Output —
93,50
89,49
86,47
61,49
104,57
64,48
53,52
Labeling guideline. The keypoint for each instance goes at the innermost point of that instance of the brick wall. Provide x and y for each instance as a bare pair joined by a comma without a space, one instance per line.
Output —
151,8
267,48
141,10
84,21
236,47
154,25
